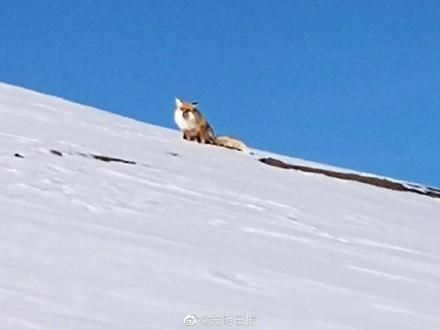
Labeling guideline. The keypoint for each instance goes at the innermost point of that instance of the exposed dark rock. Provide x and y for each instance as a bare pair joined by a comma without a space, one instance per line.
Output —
112,159
98,157
374,181
18,155
56,152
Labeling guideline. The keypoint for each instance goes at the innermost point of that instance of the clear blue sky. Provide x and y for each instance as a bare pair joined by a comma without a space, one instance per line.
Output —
349,83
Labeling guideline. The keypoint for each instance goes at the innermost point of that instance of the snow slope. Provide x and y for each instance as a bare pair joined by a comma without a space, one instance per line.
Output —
189,228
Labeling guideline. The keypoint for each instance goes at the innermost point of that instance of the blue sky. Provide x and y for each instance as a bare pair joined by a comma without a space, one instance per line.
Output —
348,83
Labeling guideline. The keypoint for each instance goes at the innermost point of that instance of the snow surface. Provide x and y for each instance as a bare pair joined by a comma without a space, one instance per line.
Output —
191,228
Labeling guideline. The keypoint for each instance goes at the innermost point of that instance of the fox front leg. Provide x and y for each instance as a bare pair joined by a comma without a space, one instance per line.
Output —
189,135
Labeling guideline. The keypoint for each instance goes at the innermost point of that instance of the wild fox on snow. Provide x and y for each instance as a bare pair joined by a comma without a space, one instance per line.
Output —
195,127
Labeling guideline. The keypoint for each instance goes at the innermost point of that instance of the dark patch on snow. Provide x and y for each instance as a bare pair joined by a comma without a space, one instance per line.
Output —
106,159
56,152
371,180
113,159
18,155
175,154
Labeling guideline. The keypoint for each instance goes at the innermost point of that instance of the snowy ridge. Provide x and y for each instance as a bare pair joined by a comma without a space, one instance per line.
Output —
90,242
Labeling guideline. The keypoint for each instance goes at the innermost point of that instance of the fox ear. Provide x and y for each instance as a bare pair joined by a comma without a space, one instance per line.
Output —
178,102
194,104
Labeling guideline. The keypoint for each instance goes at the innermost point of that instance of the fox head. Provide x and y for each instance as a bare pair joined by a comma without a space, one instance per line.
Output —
186,116
185,106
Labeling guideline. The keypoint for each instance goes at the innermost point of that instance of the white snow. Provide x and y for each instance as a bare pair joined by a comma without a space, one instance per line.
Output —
86,244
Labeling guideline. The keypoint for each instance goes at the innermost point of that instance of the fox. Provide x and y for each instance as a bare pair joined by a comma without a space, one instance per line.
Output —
194,126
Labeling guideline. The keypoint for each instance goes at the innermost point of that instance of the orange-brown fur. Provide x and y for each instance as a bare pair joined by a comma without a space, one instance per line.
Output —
195,127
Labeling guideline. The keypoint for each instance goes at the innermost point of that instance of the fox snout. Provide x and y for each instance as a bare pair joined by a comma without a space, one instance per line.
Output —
186,114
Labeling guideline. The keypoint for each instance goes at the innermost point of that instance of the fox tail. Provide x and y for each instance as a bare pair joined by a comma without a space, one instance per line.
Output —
231,143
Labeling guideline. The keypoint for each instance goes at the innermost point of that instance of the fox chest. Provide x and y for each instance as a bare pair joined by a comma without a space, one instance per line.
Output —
185,123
